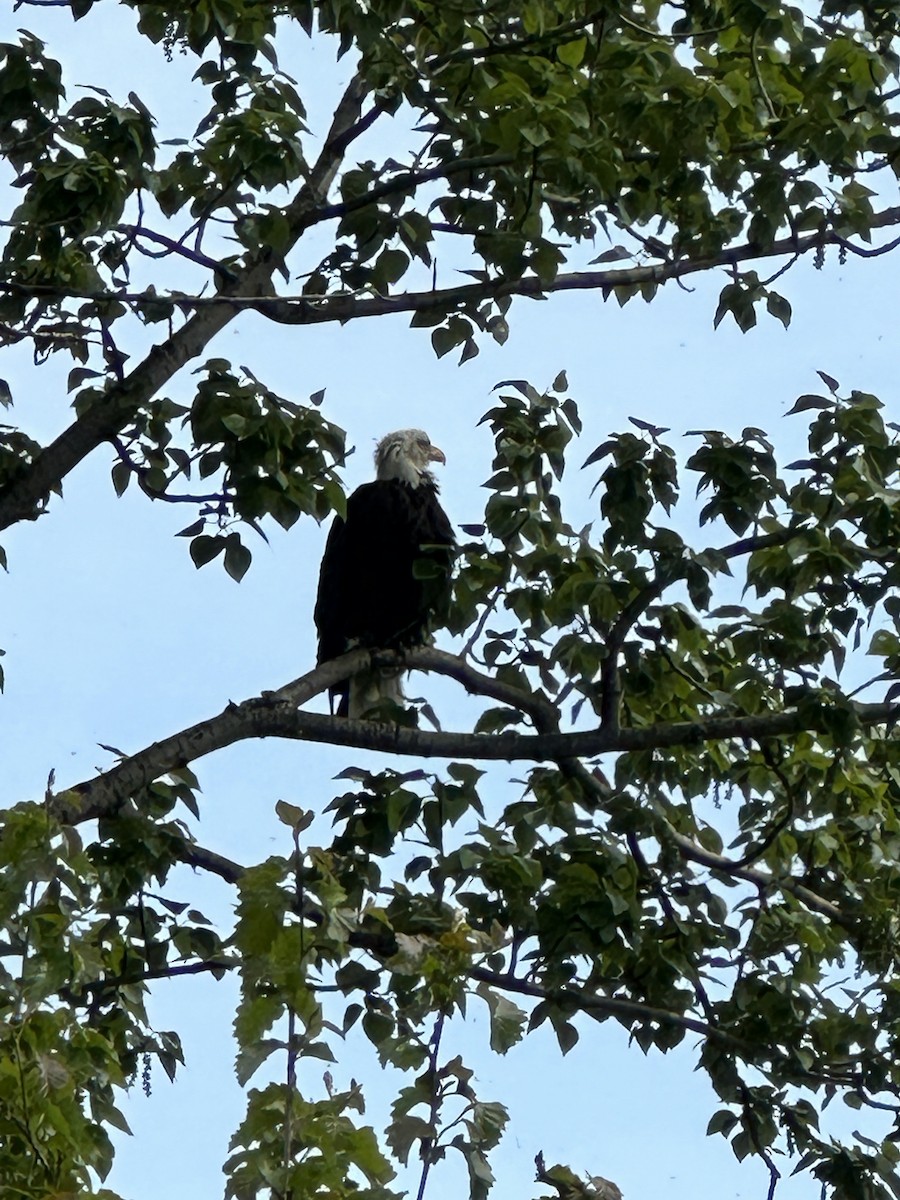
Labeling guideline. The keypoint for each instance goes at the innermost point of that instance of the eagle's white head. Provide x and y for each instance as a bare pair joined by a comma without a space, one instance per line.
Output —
405,455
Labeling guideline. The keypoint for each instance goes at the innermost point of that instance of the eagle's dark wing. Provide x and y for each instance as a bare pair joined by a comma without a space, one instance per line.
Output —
385,571
331,598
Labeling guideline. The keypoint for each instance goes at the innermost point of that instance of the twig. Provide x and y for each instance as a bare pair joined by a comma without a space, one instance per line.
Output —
482,621
434,1105
175,247
155,493
757,74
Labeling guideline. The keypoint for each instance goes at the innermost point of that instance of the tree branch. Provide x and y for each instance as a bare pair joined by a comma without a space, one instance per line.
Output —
80,993
409,180
306,310
208,860
27,496
274,714
171,246
725,866
613,1006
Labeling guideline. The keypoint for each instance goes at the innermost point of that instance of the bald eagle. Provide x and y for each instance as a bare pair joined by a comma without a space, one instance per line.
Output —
386,569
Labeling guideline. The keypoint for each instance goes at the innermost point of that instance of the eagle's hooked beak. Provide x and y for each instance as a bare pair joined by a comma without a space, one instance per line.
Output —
436,455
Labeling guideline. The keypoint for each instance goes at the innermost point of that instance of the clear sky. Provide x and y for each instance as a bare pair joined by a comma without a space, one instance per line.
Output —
112,636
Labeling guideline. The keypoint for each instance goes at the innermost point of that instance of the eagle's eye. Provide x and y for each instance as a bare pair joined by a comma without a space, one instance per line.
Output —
423,442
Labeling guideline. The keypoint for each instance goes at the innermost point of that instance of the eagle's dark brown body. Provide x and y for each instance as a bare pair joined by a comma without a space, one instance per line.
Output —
385,572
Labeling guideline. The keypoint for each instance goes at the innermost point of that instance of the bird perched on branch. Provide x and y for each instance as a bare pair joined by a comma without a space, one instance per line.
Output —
386,569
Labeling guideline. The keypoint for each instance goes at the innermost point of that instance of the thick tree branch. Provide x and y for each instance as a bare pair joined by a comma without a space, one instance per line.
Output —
274,714
106,793
510,746
26,497
306,310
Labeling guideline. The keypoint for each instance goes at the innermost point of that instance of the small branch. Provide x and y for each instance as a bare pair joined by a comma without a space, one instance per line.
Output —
171,246
207,860
672,37
726,866
658,890
347,124
755,853
558,35
481,622
752,1127
79,993
757,75
435,1103
410,180
154,493
867,252
638,605
613,1006
692,852
535,705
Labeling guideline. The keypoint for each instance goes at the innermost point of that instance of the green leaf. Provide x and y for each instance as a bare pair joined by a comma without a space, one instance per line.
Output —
806,402
572,53
507,1020
295,818
204,549
121,477
779,307
237,557
251,1057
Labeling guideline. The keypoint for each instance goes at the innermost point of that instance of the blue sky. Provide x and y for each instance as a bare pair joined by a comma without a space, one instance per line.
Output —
112,636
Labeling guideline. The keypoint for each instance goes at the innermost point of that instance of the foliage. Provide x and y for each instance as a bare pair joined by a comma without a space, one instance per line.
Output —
665,691
701,134
586,898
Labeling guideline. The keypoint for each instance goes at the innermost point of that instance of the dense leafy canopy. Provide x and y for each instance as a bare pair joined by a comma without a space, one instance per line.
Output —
666,691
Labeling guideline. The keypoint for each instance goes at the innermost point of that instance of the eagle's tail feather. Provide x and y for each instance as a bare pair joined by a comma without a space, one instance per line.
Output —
371,689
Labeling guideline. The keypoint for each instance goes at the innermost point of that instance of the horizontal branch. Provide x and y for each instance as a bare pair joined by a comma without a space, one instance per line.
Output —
510,746
83,991
107,792
342,307
613,1006
274,714
251,289
304,311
